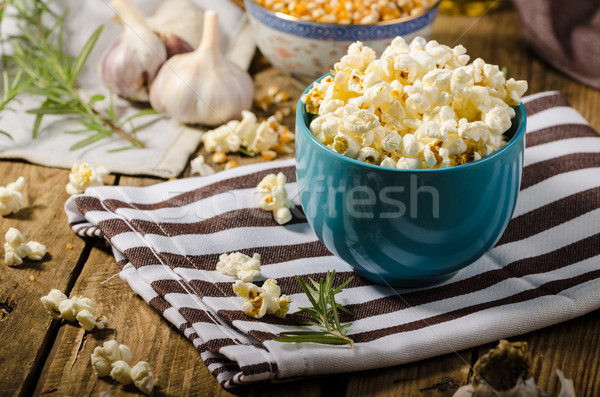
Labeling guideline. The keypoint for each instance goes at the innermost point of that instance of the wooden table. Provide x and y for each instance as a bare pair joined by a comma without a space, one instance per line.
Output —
44,357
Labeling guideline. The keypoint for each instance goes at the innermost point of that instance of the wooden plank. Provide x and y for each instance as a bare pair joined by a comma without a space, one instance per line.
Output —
175,363
435,377
571,347
28,329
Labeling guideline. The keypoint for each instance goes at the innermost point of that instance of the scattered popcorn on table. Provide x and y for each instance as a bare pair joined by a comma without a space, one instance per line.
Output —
418,106
200,167
347,12
111,351
15,248
274,95
120,371
273,197
11,197
266,136
142,377
239,265
262,300
113,359
78,309
83,175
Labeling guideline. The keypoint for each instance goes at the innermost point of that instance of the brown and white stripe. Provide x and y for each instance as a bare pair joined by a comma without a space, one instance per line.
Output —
545,269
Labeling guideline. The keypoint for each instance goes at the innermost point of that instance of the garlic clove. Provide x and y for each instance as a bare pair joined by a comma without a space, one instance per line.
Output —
175,45
180,18
202,87
132,62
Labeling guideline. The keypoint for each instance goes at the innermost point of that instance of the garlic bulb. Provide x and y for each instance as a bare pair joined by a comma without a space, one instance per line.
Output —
202,86
178,19
131,63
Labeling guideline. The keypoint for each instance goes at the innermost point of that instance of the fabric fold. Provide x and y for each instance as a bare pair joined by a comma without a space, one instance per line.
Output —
167,239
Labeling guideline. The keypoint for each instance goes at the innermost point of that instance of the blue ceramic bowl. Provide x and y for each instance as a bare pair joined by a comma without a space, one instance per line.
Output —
310,49
407,228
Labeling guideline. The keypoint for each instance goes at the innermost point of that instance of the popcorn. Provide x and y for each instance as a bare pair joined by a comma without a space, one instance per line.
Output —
110,352
120,371
239,265
255,136
15,248
83,175
260,301
11,197
200,167
78,309
142,377
421,105
273,197
52,301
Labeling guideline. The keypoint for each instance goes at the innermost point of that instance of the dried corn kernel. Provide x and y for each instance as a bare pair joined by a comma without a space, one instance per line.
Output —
69,246
231,164
268,155
219,157
345,12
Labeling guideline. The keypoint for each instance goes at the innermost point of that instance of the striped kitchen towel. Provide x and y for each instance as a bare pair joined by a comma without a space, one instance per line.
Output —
545,269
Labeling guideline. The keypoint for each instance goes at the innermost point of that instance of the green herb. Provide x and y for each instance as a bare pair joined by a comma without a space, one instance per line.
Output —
50,73
324,314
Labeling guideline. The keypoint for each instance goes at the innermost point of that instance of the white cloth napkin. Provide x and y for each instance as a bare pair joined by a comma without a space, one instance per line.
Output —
167,239
169,144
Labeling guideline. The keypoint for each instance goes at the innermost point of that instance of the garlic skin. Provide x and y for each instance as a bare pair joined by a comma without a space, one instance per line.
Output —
131,63
202,87
181,19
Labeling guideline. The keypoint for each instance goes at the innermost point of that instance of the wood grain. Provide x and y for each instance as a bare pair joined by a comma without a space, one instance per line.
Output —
42,356
436,377
28,329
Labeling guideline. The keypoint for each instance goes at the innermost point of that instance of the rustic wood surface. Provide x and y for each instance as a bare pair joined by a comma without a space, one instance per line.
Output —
44,357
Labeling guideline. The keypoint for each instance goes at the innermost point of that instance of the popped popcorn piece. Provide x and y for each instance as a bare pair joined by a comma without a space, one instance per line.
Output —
273,197
142,377
103,357
15,248
239,265
421,105
257,137
121,372
52,301
78,309
11,197
200,167
260,301
84,175
224,138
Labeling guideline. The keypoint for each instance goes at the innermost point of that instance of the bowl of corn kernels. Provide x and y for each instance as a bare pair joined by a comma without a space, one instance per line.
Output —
306,37
409,165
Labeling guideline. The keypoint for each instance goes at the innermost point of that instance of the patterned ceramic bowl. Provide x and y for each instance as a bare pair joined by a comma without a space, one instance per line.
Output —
309,49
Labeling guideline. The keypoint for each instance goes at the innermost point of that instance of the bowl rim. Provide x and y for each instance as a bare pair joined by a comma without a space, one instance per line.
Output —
291,18
300,117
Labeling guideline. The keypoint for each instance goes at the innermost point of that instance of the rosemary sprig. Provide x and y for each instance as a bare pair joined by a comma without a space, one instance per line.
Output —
52,74
324,314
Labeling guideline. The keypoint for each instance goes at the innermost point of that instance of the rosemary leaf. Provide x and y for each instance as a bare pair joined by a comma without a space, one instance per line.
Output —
324,314
46,71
